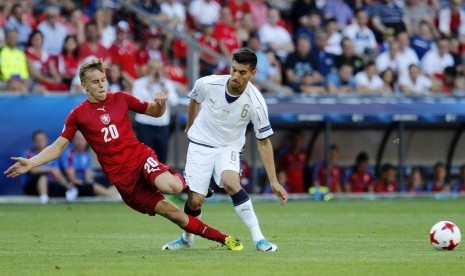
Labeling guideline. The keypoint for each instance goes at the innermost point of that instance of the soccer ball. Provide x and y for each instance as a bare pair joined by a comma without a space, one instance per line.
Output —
445,235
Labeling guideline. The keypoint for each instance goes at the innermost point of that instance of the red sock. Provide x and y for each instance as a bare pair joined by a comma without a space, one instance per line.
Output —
197,227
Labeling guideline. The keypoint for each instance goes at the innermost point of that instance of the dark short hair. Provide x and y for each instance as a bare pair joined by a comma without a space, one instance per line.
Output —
245,56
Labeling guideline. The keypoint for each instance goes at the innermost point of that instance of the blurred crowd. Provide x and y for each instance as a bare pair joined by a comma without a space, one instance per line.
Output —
301,174
310,47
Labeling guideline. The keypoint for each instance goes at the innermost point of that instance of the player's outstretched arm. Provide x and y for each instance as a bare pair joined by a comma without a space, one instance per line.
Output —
158,106
265,149
23,165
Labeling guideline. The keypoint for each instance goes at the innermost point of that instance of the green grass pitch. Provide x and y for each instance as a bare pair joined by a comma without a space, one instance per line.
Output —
352,237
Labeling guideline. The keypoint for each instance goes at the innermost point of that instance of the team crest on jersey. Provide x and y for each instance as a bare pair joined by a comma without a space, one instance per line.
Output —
224,115
105,118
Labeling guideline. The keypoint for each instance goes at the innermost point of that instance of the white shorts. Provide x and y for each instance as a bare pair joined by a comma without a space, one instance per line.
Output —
202,162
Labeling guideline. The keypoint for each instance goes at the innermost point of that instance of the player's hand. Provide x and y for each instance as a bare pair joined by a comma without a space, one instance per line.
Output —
280,192
21,166
161,98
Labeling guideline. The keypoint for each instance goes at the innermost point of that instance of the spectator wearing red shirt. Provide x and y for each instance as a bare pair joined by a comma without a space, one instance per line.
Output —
68,60
335,177
42,66
293,162
124,50
91,46
225,33
151,50
388,182
360,179
238,8
208,63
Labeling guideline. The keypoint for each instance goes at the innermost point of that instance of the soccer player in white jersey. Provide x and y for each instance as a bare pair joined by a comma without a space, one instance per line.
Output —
220,108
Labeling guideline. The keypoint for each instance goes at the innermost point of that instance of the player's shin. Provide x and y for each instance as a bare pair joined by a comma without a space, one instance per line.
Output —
189,237
197,227
244,208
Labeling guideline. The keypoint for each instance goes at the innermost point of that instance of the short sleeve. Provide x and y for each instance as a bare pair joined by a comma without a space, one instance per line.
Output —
71,125
133,103
260,119
197,93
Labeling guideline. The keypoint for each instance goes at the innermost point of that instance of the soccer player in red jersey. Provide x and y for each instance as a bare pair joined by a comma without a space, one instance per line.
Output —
129,164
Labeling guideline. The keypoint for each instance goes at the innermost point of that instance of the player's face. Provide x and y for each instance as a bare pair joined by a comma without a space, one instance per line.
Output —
241,74
95,85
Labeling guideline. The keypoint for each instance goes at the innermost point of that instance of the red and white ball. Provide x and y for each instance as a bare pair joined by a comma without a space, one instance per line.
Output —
445,235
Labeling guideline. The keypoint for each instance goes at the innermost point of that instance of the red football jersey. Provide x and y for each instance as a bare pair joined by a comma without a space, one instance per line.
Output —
107,128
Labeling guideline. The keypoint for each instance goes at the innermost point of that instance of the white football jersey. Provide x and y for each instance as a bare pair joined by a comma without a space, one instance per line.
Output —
220,123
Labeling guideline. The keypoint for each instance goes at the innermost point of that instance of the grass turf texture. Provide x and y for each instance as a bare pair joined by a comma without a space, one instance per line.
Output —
388,237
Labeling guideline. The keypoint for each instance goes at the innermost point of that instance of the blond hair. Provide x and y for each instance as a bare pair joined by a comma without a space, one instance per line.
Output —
93,64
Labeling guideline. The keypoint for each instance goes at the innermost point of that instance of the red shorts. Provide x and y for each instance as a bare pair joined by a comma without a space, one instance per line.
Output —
145,196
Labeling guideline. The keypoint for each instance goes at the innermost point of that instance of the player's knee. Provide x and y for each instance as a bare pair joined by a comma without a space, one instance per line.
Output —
174,186
195,203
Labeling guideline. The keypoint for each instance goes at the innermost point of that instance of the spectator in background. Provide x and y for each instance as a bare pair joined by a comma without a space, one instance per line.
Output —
117,81
155,132
449,81
75,24
42,66
359,179
451,20
300,12
53,30
417,12
238,9
276,37
68,60
437,59
369,82
415,182
312,83
362,36
333,44
349,56
151,50
388,180
204,12
389,78
324,60
17,21
335,172
341,81
208,63
406,55
459,185
225,33
293,161
175,13
438,181
259,12
415,83
13,62
388,15
338,10
91,46
310,24
46,180
124,51
389,59
76,162
264,69
423,40
299,63
103,19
